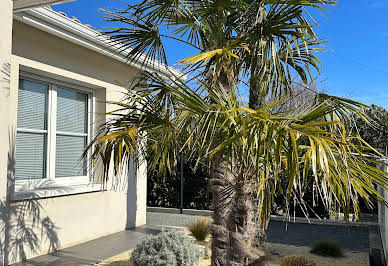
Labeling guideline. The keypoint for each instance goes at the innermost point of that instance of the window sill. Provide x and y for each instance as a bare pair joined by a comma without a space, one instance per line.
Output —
48,189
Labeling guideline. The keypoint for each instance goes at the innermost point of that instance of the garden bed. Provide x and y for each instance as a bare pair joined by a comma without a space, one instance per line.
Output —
350,258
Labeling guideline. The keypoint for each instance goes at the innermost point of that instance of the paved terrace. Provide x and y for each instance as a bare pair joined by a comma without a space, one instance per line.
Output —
95,251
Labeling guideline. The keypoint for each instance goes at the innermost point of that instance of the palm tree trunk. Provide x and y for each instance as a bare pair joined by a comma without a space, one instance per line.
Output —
222,193
256,96
242,247
221,185
233,232
219,232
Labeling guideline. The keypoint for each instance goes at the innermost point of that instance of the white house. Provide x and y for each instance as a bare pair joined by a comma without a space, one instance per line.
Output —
383,216
56,74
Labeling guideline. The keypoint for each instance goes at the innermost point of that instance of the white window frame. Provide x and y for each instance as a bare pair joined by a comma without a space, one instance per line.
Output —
66,185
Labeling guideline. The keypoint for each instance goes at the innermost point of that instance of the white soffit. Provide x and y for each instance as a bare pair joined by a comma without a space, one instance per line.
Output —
19,5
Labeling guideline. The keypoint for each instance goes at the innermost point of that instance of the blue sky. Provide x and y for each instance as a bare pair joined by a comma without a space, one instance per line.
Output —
355,64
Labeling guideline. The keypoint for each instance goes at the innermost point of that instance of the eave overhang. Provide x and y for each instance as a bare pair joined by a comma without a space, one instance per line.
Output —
48,20
19,5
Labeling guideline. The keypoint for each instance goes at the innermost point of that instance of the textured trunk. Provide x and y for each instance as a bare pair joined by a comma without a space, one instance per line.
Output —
242,246
222,194
219,232
233,231
256,96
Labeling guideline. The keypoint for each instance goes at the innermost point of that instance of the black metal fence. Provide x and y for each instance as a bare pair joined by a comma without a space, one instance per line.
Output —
191,192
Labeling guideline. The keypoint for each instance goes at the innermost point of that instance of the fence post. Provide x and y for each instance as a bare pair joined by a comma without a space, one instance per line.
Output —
182,184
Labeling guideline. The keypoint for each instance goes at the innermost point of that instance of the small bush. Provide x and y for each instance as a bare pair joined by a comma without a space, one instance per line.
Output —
169,248
297,261
329,249
200,228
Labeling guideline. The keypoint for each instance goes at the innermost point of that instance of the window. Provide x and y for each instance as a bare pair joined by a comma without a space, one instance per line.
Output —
31,138
72,132
53,128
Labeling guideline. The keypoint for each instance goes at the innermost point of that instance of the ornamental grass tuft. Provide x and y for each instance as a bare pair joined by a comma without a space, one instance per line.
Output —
200,228
328,249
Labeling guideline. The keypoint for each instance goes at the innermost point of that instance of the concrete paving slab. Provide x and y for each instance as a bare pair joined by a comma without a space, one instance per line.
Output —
95,251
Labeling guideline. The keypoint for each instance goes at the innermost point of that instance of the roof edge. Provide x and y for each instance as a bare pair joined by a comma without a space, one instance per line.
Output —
48,20
19,5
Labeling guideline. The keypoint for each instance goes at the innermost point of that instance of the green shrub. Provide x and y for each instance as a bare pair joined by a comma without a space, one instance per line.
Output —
169,248
297,261
326,248
200,228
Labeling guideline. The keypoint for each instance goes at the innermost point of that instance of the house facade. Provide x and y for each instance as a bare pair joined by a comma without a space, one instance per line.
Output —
56,75
383,216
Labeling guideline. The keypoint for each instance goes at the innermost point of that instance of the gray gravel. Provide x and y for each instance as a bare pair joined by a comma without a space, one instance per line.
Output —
350,238
169,219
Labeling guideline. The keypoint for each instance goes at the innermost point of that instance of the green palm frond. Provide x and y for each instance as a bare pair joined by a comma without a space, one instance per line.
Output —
265,43
299,145
277,37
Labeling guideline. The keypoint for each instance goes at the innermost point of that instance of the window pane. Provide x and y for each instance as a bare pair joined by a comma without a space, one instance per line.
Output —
72,121
32,105
30,155
32,115
71,111
69,151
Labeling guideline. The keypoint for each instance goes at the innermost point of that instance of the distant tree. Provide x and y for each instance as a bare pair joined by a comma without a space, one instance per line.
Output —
307,203
375,133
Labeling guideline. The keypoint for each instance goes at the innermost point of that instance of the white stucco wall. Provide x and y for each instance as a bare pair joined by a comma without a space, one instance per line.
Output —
383,216
6,7
70,219
5,61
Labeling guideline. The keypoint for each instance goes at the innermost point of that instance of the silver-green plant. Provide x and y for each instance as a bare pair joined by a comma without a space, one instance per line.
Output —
168,248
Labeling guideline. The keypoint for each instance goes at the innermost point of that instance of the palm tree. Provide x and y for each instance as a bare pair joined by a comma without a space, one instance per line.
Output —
259,44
